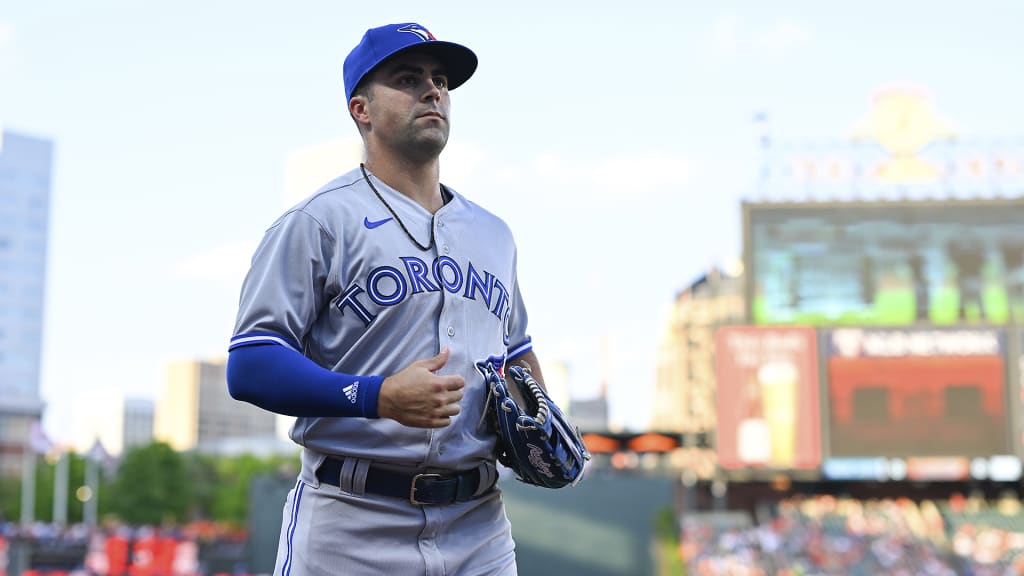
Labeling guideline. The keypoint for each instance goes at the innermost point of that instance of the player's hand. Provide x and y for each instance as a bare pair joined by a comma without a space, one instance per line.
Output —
418,397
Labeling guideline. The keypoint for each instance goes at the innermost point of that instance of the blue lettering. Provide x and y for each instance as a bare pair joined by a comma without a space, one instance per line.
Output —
389,286
474,283
446,263
348,300
418,271
499,306
373,283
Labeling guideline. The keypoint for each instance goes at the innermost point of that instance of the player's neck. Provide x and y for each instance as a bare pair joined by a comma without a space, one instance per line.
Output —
418,181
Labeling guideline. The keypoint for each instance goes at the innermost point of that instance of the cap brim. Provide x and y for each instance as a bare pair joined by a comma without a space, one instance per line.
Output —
459,62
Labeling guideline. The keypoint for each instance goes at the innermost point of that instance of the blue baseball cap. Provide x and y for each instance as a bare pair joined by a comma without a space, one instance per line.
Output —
379,44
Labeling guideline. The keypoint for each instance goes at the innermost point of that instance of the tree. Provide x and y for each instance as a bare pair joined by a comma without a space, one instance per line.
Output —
46,481
152,486
230,497
202,470
10,498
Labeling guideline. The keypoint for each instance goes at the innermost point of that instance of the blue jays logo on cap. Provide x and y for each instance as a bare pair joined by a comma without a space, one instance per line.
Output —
419,31
379,44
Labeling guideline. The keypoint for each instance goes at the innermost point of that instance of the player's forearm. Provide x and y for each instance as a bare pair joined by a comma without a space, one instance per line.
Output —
529,360
281,380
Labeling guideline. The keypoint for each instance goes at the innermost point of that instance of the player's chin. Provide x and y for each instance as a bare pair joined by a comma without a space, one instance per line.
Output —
431,142
433,130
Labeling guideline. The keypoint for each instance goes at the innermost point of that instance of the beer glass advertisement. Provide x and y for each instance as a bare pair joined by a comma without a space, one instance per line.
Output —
917,393
1018,416
893,263
768,414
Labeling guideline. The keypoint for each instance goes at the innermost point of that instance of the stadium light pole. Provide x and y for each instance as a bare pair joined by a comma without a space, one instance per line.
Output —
28,485
90,505
60,489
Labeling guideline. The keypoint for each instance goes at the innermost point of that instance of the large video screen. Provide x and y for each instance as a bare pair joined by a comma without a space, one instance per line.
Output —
917,393
952,262
768,407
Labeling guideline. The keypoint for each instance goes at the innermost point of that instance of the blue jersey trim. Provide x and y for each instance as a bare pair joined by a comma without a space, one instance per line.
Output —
286,570
262,338
520,349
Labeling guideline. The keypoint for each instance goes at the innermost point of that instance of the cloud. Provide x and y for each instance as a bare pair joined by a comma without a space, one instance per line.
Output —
461,161
226,264
654,173
7,38
6,34
726,35
783,36
8,58
730,37
310,168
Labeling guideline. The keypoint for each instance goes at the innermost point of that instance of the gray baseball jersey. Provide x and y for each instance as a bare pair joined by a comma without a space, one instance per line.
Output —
339,278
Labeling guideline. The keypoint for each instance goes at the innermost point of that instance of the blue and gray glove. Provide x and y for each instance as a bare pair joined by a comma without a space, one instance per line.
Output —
538,443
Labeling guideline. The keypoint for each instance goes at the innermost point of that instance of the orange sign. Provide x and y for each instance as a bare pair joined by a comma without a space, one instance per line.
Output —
653,443
598,444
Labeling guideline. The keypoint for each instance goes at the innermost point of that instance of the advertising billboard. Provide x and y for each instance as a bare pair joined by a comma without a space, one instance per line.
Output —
917,393
768,397
892,263
1017,397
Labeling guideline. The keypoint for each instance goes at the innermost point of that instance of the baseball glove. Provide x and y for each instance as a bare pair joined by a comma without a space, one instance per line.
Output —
538,443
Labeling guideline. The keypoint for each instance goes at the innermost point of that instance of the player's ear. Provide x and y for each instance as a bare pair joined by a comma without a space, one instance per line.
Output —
357,108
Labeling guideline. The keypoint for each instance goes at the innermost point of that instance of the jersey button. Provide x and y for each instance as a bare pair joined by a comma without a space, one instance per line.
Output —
446,249
451,331
440,449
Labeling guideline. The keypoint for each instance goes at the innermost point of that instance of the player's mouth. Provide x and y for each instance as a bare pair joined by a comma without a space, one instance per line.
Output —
432,114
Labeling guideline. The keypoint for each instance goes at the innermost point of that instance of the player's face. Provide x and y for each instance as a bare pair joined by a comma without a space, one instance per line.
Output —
409,105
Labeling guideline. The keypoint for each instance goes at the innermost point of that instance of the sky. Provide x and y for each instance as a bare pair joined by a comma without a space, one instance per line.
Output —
615,138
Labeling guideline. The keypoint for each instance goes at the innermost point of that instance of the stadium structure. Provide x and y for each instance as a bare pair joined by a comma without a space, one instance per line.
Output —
864,362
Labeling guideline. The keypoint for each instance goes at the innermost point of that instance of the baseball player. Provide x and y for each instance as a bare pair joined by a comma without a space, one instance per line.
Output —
365,313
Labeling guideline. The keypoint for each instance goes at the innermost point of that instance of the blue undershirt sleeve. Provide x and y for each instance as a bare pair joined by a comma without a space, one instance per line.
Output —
281,380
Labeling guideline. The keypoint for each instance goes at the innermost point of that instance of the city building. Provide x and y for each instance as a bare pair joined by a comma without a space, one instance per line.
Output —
556,381
685,385
25,178
685,398
591,414
137,427
195,411
115,421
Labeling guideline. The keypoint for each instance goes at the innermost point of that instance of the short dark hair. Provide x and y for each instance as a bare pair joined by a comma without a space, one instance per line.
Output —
362,89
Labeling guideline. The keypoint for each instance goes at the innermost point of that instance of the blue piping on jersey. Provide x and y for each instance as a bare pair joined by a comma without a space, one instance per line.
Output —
286,569
261,338
520,349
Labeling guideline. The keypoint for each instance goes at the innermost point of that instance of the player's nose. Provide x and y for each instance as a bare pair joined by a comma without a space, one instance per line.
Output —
433,91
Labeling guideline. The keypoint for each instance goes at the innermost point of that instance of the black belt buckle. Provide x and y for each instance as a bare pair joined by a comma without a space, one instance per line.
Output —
415,481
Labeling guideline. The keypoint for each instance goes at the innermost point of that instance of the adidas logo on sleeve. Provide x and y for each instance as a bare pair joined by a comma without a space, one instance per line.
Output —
351,392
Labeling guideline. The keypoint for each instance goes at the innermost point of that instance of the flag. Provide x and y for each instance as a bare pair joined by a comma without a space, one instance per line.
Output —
38,441
98,453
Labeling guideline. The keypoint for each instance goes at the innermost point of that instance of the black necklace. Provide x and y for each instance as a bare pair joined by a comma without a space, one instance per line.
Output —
397,219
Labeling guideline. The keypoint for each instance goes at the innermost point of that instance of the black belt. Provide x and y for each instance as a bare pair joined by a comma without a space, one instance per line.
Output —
418,488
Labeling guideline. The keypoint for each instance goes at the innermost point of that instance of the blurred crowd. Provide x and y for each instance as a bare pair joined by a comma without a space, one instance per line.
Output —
825,535
42,549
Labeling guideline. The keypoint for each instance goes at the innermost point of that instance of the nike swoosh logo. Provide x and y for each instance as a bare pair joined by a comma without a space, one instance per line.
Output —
371,225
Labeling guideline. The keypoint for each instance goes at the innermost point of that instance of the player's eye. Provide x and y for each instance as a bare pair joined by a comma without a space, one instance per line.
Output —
441,82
